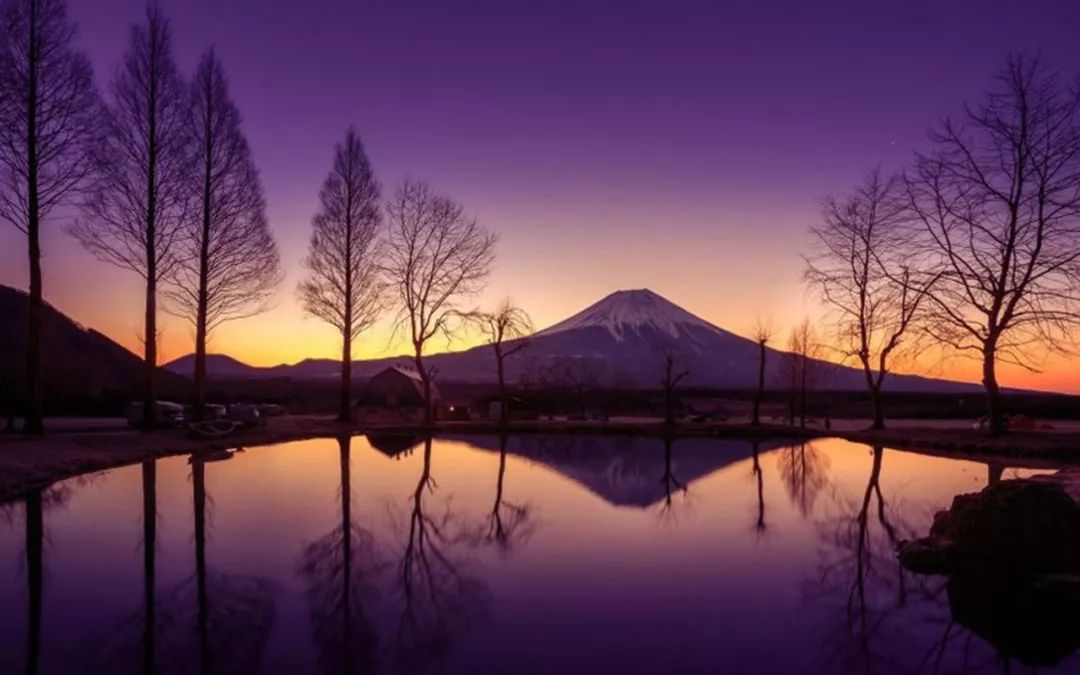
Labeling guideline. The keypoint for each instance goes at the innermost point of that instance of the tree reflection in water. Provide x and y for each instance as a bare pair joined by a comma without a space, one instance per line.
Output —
440,597
858,573
669,513
340,571
805,472
509,525
759,478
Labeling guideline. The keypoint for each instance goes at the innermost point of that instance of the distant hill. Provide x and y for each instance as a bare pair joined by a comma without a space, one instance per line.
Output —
621,339
84,370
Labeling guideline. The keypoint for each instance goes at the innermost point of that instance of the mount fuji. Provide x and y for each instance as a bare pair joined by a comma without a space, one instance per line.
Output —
620,341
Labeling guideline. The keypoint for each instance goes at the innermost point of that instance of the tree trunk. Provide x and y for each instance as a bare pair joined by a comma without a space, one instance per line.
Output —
879,413
993,392
503,416
149,411
802,394
202,309
345,399
149,417
34,412
756,419
429,412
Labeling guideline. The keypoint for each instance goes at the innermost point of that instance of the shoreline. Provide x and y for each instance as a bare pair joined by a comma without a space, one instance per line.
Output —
28,463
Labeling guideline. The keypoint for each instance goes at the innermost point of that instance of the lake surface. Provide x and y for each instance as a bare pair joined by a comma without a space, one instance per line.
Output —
556,555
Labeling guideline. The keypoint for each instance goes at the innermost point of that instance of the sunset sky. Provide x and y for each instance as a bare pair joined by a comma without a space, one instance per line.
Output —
678,146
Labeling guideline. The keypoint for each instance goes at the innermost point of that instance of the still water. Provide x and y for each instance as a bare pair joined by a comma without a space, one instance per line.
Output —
480,555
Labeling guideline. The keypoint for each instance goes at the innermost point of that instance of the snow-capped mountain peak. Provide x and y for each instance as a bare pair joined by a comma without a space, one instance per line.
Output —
628,311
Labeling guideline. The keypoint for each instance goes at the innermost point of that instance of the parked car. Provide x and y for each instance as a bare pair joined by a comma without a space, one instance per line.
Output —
169,414
270,410
244,414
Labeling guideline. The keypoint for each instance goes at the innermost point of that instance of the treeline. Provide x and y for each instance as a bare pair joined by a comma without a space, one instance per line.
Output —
972,250
164,184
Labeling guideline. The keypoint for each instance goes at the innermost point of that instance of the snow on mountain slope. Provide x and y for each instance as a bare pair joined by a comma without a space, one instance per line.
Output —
628,311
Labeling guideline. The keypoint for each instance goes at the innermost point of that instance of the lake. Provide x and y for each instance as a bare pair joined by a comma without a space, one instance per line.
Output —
528,554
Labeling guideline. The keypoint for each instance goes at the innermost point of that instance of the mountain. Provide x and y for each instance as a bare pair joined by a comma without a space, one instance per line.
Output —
618,341
82,367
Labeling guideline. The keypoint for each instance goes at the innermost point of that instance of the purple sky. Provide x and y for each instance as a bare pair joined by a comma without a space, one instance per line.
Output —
680,146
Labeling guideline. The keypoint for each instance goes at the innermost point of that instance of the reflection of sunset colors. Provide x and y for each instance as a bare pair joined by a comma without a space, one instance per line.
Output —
606,555
682,149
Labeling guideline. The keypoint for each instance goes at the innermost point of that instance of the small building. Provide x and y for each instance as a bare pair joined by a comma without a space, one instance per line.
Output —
518,408
394,395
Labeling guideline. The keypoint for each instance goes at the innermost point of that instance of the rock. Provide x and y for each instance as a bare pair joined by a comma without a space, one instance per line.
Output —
929,555
1023,525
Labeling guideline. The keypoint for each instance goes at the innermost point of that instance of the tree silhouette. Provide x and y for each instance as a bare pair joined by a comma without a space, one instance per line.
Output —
339,570
674,368
996,207
436,256
343,286
48,109
763,333
133,215
229,263
507,322
862,275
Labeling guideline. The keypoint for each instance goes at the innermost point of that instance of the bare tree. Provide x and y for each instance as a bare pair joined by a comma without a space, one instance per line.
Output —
436,256
763,332
48,108
674,369
229,266
344,286
133,216
860,271
802,362
504,328
997,208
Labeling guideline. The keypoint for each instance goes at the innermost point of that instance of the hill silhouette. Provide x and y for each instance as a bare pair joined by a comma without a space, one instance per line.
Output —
84,370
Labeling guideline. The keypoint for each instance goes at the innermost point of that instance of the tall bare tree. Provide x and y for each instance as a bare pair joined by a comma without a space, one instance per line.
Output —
763,333
48,110
997,207
133,216
344,286
504,329
229,266
437,255
860,271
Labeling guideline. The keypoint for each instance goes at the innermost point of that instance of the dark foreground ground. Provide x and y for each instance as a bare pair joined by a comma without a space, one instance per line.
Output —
75,447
